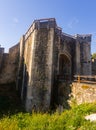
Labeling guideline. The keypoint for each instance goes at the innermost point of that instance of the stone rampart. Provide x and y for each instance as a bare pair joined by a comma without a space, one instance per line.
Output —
9,65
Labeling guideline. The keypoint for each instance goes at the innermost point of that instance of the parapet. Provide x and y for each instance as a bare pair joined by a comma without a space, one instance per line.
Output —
84,37
1,50
41,23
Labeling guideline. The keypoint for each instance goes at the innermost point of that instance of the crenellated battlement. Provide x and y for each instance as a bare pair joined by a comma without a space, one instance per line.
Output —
1,50
84,37
1,56
8,64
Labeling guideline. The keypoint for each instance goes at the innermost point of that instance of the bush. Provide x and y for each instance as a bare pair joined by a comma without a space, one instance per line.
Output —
94,55
73,119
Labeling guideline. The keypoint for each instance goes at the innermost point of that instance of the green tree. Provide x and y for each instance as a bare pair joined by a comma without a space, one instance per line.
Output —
94,55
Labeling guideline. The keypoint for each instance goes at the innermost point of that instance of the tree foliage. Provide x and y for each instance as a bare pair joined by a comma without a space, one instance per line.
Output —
94,55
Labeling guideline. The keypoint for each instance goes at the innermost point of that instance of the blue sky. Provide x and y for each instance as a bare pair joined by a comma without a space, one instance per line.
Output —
74,16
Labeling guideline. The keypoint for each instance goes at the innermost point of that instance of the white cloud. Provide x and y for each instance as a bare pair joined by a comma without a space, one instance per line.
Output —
73,23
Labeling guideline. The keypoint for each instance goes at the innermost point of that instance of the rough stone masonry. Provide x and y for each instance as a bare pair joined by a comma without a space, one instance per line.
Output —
45,57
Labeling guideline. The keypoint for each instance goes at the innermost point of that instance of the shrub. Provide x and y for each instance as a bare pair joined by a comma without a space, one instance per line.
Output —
73,119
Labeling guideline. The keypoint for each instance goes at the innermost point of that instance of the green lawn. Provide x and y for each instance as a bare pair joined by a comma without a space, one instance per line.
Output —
72,119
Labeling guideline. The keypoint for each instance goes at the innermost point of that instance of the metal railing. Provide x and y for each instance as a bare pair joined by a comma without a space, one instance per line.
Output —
85,78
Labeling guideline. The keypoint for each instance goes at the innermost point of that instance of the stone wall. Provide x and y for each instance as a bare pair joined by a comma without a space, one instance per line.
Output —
42,68
83,92
9,66
94,66
84,54
78,93
1,57
63,45
37,68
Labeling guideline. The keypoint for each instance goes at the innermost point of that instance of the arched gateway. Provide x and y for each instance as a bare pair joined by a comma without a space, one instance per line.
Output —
65,67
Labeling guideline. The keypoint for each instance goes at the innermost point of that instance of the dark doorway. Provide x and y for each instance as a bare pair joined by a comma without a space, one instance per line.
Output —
61,87
64,67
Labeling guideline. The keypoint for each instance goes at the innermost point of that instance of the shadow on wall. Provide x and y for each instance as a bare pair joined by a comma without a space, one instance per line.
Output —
23,78
10,102
60,95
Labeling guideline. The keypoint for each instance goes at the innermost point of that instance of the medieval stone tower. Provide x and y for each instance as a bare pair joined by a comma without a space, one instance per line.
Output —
47,56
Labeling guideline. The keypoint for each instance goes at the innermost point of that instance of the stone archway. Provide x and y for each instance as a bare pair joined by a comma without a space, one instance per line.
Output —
64,67
61,88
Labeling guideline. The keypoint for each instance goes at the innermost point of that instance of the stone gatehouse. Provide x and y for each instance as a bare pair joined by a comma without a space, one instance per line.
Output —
44,57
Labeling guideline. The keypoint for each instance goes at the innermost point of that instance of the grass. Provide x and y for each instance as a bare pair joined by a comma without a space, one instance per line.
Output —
72,119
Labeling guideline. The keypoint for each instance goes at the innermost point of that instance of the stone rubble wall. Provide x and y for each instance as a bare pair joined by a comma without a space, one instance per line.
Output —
9,66
83,92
